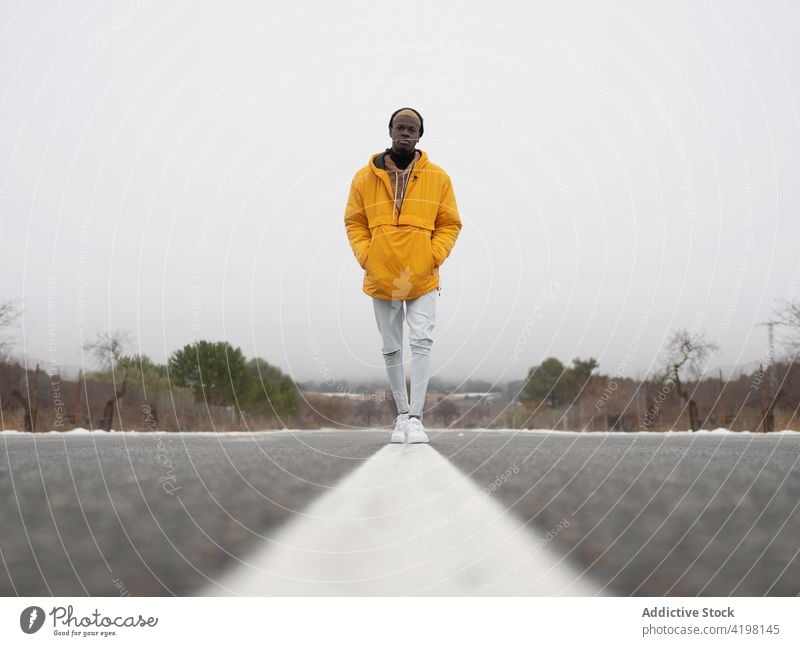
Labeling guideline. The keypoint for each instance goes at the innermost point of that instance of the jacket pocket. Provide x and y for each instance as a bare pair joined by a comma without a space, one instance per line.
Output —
416,252
366,258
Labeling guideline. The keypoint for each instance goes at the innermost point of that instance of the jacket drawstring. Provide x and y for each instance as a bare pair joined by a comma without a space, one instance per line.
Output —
397,174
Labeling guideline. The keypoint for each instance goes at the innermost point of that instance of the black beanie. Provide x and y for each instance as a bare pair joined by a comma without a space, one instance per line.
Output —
421,127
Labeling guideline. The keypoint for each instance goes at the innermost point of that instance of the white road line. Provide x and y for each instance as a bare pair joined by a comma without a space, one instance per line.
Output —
406,522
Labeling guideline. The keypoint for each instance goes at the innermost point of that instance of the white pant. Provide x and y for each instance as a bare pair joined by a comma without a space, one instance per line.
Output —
420,313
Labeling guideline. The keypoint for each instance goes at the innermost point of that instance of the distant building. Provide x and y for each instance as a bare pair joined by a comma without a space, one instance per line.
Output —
476,397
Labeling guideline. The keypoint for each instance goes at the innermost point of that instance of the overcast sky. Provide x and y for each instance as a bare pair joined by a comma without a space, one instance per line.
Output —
180,171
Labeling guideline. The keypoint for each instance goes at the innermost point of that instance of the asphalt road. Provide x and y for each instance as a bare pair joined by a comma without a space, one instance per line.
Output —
674,514
154,514
639,514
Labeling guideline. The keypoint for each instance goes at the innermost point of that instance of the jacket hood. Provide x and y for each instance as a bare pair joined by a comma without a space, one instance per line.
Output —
376,161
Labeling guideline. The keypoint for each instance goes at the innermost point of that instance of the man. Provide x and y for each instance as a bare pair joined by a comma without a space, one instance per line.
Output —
402,223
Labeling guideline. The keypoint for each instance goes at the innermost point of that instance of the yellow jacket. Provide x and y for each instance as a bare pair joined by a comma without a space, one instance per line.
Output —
401,251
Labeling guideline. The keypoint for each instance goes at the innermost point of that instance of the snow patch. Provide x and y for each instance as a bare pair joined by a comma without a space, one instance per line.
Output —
716,431
460,431
101,432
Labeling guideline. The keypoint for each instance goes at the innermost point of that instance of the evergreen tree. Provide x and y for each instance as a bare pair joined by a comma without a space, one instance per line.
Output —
542,382
216,372
554,382
268,391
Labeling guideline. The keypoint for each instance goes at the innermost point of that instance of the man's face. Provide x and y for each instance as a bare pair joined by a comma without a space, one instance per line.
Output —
404,132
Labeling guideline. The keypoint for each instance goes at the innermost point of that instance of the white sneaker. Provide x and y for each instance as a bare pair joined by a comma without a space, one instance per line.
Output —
415,432
399,433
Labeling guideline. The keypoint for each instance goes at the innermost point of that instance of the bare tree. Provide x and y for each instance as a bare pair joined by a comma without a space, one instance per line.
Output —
113,403
687,353
445,411
29,404
788,315
10,311
108,347
107,350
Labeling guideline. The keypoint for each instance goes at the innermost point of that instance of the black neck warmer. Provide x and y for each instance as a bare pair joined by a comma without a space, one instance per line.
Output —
401,160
